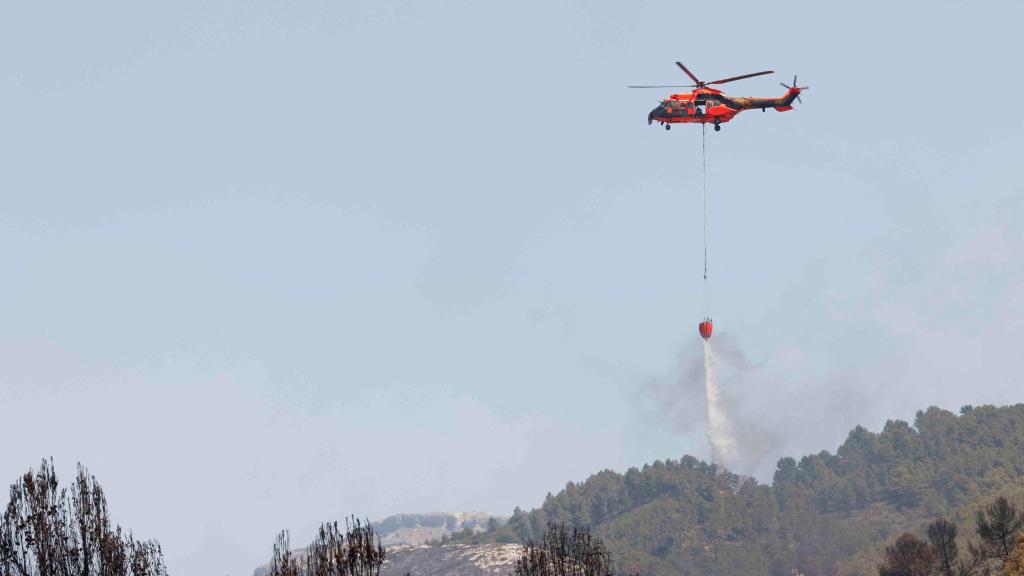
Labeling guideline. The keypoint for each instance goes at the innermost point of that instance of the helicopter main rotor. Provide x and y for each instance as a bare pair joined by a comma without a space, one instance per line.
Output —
698,83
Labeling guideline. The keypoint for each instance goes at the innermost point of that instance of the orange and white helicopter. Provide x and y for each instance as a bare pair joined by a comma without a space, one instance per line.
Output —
704,105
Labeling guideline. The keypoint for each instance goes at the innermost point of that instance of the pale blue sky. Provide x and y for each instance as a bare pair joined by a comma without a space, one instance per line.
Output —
251,241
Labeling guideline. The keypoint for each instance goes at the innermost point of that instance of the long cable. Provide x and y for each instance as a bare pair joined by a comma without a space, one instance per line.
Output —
707,211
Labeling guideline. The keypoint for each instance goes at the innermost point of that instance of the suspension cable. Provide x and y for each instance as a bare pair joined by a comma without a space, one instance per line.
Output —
707,213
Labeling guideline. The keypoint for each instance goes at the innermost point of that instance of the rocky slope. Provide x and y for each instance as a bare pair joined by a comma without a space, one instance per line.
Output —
451,560
403,529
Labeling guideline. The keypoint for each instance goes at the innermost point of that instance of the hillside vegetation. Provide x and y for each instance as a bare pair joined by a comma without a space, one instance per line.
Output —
826,514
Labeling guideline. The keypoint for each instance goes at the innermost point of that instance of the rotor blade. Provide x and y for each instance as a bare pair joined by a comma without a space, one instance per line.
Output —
688,73
798,99
662,86
723,81
783,84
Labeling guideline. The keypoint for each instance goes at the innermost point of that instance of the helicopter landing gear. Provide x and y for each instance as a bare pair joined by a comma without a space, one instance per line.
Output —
718,127
668,126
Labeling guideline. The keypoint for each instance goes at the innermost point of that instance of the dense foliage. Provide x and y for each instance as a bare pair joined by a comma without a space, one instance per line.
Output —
826,514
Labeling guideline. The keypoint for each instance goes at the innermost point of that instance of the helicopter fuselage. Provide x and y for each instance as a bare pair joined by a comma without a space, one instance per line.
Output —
710,106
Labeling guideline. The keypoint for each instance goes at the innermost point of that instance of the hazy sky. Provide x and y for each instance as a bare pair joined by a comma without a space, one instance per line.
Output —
267,264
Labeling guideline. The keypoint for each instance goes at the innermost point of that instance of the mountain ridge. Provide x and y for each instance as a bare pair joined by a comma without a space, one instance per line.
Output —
824,514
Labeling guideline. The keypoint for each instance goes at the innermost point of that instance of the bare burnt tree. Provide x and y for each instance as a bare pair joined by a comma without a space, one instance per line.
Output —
283,562
146,558
45,531
34,530
99,543
562,552
998,525
356,552
942,536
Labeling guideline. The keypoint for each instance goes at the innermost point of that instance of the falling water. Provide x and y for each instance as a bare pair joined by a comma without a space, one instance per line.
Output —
719,427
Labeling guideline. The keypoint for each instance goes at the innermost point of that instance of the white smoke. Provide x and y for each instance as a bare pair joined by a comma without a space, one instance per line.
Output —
718,428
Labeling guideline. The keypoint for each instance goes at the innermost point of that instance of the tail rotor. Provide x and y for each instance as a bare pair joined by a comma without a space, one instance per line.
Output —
798,89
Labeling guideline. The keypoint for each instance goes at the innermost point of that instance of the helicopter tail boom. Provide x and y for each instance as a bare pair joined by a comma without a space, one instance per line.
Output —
783,103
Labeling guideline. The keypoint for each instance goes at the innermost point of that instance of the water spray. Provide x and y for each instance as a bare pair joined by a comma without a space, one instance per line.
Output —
719,431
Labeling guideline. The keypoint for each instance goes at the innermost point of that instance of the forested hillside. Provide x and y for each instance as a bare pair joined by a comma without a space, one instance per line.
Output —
826,514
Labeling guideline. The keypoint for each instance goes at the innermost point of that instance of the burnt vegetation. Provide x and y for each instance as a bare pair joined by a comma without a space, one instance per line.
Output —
47,530
564,551
354,551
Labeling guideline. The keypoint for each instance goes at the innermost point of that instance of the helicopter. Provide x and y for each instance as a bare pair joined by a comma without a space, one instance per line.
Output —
706,105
